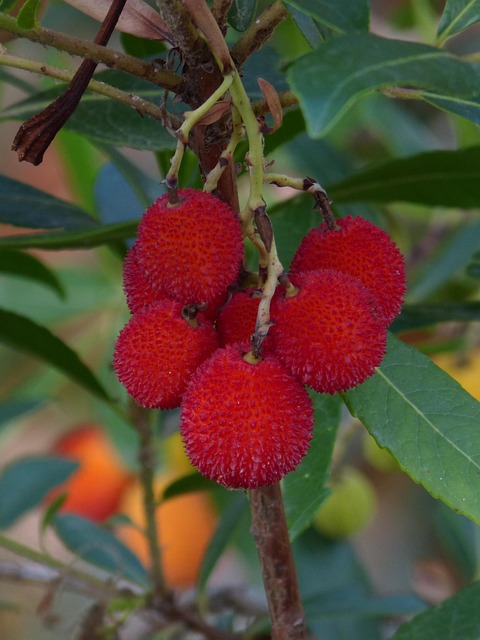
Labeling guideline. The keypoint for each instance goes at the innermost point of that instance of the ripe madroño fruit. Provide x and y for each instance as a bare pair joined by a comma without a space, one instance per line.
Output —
245,425
362,250
95,489
139,293
185,525
190,251
349,508
236,320
328,334
158,350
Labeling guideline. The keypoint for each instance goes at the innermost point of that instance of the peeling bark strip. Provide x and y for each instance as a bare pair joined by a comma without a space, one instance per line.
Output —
36,134
269,530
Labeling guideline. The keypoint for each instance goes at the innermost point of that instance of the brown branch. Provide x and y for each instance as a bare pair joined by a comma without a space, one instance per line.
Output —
286,99
269,530
149,71
193,48
220,9
258,32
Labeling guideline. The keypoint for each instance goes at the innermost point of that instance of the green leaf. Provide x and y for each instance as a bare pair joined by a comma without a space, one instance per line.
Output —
455,618
457,16
454,256
220,539
458,536
13,409
291,220
6,5
23,264
22,333
425,314
331,79
99,547
103,119
188,484
25,483
436,178
25,206
81,239
304,489
27,16
341,16
241,13
427,421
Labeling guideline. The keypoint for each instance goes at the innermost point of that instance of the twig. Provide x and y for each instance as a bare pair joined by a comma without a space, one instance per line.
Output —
270,533
286,98
259,32
143,107
146,456
149,71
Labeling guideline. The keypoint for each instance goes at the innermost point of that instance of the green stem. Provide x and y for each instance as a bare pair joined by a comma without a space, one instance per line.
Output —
141,418
227,155
115,59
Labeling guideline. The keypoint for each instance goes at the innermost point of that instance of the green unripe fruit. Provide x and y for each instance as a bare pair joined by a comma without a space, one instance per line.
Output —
349,508
378,457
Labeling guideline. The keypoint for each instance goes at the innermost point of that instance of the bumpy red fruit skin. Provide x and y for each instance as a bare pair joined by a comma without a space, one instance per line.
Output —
236,320
245,425
139,293
157,351
328,334
190,251
362,250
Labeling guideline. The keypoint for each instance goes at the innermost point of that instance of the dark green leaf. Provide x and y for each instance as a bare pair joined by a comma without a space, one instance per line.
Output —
427,421
339,15
329,80
99,547
22,333
27,16
465,106
13,409
455,618
325,568
25,483
25,206
229,521
457,16
81,239
187,484
307,26
291,220
454,256
304,489
459,537
242,13
425,314
6,5
103,119
436,178
339,604
23,264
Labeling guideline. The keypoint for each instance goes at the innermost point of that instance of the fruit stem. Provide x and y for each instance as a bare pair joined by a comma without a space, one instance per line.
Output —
270,532
191,119
146,457
227,155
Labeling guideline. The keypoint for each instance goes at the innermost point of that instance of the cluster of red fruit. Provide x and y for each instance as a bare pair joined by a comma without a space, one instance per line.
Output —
247,421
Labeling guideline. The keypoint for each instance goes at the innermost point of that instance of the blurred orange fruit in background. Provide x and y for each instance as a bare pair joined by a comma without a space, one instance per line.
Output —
95,489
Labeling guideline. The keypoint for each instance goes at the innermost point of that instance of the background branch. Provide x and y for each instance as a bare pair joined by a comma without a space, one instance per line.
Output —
114,59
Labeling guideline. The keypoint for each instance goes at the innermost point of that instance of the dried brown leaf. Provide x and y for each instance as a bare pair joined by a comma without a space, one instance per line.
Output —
204,20
215,113
138,18
273,101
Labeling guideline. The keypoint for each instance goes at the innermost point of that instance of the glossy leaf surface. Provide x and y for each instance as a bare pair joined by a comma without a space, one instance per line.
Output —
25,483
328,82
427,421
